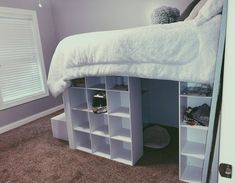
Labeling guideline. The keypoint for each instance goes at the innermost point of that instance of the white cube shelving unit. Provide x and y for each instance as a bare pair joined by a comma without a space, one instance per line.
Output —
116,134
192,139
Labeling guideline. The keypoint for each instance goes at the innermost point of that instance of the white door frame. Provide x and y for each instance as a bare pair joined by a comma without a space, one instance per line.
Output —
227,135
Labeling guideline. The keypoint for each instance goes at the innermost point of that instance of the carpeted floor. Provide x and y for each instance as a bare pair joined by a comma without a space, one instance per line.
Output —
30,154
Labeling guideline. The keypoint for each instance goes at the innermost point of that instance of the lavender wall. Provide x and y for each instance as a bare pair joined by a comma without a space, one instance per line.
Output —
49,42
78,16
59,18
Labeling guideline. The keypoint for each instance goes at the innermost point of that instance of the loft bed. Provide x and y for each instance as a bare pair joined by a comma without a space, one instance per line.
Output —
181,51
157,52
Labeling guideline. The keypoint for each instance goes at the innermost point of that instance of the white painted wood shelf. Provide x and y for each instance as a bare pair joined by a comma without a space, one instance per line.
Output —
192,138
116,134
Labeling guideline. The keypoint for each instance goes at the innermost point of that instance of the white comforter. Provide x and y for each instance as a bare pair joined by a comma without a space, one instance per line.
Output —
179,51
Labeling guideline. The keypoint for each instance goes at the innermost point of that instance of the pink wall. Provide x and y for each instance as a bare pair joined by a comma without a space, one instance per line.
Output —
49,42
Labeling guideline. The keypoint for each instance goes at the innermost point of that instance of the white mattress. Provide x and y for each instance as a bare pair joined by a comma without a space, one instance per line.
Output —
181,51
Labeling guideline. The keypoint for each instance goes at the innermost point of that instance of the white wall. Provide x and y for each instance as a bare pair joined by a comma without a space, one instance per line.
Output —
227,135
78,16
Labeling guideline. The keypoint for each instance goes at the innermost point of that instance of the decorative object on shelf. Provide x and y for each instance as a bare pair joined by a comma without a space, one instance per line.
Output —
200,89
188,115
99,104
156,137
80,82
120,84
197,115
202,115
164,15
206,90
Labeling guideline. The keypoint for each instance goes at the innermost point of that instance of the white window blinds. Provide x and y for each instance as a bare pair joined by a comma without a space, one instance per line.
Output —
22,73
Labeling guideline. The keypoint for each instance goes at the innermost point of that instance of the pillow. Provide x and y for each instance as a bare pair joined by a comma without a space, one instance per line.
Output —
188,10
209,10
165,15
196,9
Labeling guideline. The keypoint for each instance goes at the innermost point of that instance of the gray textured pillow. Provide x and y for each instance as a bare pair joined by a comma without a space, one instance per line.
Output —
188,10
164,15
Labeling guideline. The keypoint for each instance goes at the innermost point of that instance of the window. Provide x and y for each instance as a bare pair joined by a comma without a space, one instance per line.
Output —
22,70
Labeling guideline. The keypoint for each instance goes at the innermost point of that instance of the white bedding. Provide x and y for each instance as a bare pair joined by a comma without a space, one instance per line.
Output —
181,51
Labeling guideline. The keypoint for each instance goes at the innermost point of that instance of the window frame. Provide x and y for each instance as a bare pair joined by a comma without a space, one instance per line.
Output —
32,15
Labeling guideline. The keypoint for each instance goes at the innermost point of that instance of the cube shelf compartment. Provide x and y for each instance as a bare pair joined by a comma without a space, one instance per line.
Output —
191,169
121,151
120,128
96,83
116,134
193,142
186,102
90,94
78,83
99,124
192,138
196,89
83,141
79,101
101,146
117,83
80,121
118,104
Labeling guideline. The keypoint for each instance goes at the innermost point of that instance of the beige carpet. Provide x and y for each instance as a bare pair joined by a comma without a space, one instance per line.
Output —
30,154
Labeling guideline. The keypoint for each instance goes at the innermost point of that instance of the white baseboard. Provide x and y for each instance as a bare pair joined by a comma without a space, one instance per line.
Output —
29,119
